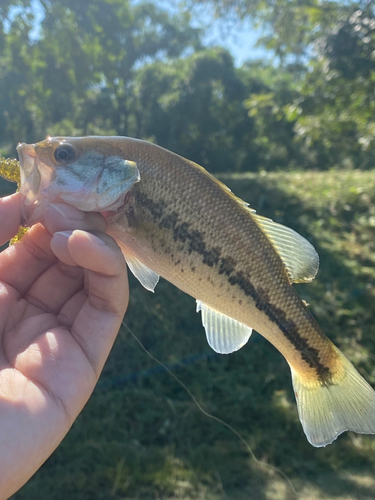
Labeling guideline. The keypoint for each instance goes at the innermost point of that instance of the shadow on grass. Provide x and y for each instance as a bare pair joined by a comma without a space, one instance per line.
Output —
6,188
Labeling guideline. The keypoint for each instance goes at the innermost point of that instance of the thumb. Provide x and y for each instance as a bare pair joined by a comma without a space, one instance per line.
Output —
106,289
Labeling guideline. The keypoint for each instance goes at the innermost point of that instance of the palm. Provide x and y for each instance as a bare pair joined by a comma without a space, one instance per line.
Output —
58,322
38,345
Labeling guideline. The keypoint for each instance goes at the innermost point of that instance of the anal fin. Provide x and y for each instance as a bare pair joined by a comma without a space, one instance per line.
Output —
224,334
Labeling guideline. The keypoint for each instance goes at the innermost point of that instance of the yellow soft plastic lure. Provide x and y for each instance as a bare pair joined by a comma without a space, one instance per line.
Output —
10,170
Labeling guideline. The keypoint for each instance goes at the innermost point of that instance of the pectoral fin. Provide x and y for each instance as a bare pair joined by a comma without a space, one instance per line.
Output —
148,278
224,334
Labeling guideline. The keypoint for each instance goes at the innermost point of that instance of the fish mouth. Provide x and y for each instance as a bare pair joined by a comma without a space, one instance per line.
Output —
30,177
35,176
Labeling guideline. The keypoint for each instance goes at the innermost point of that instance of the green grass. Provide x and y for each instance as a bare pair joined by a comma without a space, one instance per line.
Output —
142,437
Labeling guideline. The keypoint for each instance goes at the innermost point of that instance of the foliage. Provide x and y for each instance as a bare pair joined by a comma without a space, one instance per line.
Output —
114,67
81,64
291,26
195,106
328,49
337,102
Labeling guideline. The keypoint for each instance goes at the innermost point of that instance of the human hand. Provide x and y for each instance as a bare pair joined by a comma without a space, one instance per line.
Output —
62,300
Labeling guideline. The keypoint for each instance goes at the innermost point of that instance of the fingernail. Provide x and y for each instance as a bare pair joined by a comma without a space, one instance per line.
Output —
66,234
94,239
68,212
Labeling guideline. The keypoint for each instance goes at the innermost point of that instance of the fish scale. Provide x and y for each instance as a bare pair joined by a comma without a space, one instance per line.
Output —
173,219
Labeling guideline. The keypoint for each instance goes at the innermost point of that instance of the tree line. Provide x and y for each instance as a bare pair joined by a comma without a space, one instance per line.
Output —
117,67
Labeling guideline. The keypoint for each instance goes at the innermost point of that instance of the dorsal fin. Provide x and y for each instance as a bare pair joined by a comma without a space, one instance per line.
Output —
298,255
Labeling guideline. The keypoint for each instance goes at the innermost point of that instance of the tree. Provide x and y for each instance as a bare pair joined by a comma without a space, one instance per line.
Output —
332,107
291,26
81,63
195,106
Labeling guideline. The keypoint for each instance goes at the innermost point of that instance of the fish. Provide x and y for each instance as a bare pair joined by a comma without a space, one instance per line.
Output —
171,218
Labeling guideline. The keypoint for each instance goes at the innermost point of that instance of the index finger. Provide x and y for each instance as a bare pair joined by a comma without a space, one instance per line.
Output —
22,263
10,216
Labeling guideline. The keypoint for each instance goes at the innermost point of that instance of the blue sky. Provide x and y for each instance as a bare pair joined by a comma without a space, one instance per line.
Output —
238,37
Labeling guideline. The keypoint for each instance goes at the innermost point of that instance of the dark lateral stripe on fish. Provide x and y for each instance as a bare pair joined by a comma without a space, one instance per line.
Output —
289,329
181,231
226,266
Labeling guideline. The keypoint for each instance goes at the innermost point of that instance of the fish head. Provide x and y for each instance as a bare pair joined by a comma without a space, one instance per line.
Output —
89,173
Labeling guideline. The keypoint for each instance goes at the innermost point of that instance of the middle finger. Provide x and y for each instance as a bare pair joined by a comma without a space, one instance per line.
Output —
55,287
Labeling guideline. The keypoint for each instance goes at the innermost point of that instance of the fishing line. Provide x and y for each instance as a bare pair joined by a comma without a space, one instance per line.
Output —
213,417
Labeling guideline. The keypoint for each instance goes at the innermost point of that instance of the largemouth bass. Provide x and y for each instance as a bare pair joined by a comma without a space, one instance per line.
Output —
173,219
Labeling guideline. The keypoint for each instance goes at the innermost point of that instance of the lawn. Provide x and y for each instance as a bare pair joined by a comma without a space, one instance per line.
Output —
141,436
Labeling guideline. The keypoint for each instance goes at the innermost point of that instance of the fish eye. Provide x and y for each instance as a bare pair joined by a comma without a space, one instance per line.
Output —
64,153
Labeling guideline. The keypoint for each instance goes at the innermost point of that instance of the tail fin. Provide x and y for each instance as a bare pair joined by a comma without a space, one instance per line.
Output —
326,411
